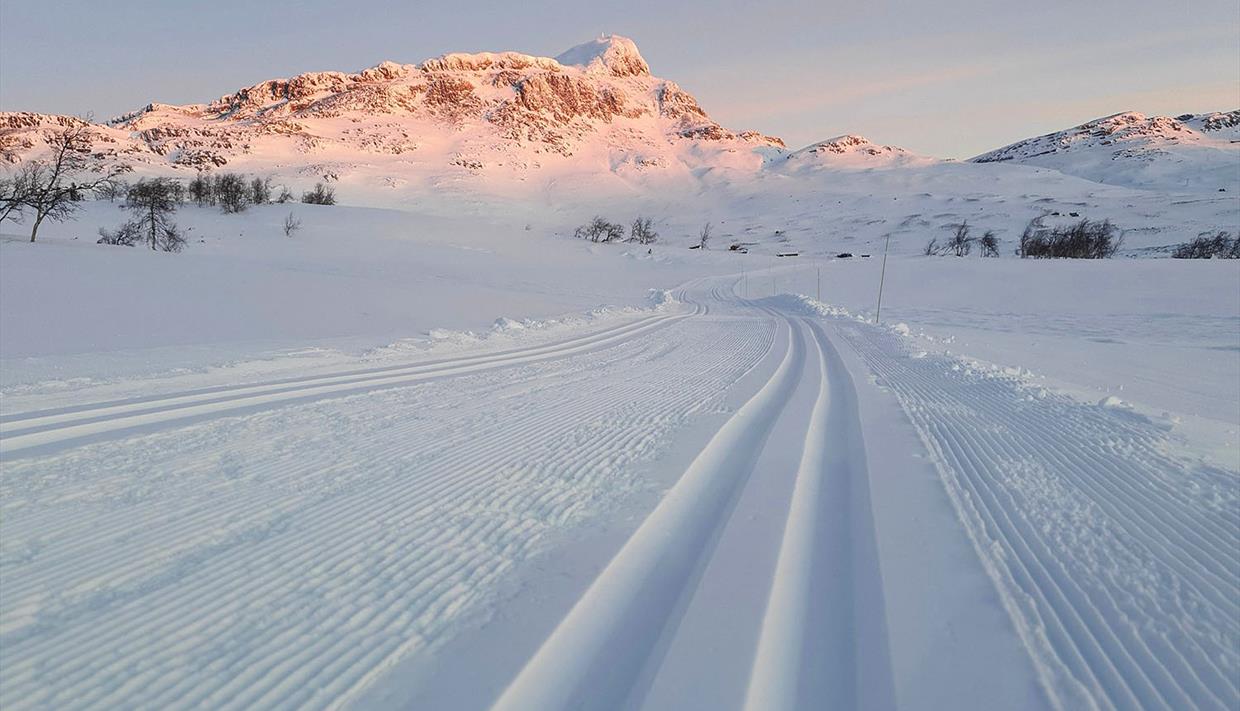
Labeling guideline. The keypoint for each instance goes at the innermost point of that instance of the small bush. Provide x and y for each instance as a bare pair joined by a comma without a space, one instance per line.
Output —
989,244
202,190
1206,246
231,192
961,243
1083,240
112,189
260,191
642,231
600,230
321,195
291,225
127,235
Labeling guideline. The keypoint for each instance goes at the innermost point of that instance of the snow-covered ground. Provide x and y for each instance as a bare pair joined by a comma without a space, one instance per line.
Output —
401,460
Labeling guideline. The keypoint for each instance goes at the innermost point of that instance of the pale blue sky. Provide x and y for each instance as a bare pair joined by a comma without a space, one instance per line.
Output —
950,78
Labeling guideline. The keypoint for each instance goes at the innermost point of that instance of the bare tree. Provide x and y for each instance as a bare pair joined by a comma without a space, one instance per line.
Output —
989,244
231,192
127,235
51,189
1083,240
13,192
1208,246
260,191
961,243
152,203
642,231
321,195
201,190
113,189
600,230
291,225
704,236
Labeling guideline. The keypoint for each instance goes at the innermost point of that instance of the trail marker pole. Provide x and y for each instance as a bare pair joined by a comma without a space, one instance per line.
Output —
881,277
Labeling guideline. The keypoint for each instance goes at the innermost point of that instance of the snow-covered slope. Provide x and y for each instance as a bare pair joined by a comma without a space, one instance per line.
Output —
553,141
850,151
1189,152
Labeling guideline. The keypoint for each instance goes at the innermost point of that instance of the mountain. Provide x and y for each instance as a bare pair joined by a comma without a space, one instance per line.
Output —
851,151
453,116
594,126
1189,152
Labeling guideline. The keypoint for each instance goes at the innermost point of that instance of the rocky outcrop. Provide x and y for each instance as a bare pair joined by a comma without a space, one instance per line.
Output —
599,94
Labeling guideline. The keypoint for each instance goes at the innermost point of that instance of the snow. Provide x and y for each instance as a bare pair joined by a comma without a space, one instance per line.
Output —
1198,154
586,465
430,451
609,53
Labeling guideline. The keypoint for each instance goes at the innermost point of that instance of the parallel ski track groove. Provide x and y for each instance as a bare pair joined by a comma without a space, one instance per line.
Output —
597,652
344,665
1096,626
54,429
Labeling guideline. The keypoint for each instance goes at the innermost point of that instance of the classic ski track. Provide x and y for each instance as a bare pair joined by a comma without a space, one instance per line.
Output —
54,416
601,651
597,652
824,632
43,430
1087,621
144,611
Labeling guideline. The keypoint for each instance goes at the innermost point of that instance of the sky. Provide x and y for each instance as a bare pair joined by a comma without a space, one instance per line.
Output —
950,78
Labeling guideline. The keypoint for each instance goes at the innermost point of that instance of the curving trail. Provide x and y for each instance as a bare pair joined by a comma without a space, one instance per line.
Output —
304,542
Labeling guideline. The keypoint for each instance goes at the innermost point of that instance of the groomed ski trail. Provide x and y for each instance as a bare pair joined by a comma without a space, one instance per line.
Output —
292,542
680,618
44,430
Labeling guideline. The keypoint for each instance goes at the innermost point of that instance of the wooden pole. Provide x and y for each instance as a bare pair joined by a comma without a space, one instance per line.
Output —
882,277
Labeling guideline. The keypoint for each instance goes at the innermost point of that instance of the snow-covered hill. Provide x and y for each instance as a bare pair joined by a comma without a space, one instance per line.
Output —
596,107
553,141
853,151
1187,153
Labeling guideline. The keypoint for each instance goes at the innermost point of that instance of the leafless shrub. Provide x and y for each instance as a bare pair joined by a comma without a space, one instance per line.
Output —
320,195
961,242
291,225
600,230
231,192
704,236
1084,240
1207,246
989,244
127,235
642,231
260,191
